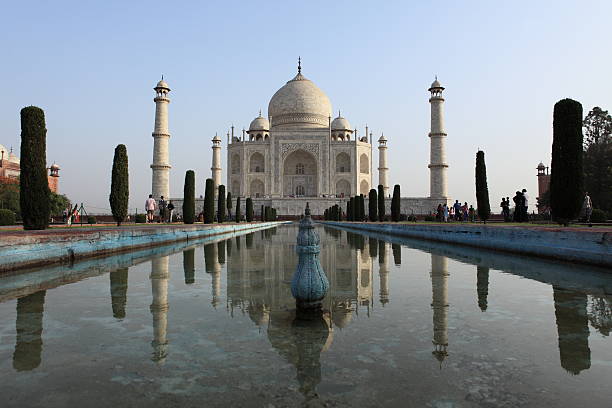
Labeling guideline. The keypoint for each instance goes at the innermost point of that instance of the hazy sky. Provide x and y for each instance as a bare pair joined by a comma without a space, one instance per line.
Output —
92,66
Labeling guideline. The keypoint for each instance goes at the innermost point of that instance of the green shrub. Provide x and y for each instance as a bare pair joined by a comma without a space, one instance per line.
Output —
238,215
33,183
209,201
429,218
91,219
7,217
566,177
598,215
120,188
140,218
189,198
411,218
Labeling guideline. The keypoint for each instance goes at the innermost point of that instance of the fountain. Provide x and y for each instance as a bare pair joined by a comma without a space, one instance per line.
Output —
309,284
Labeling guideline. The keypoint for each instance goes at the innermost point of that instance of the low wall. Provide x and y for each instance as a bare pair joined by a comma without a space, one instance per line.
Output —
26,249
573,245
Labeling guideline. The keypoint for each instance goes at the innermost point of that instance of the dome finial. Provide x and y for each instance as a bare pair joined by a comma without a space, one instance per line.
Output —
299,65
307,211
260,113
339,113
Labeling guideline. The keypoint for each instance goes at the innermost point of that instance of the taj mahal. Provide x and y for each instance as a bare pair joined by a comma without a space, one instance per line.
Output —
299,152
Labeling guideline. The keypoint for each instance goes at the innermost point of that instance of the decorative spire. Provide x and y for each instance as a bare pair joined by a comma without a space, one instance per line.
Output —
299,65
339,113
307,211
162,77
260,113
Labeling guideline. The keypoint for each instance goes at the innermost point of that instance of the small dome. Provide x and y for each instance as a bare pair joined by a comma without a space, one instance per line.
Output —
259,123
54,167
541,166
340,123
436,84
382,138
162,84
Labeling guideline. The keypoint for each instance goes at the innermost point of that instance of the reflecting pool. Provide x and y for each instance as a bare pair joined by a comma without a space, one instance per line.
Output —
213,323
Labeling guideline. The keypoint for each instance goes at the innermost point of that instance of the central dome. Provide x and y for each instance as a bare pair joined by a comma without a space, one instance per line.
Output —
300,103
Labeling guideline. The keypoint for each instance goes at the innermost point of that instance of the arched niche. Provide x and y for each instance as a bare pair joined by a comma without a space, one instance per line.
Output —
257,163
343,188
300,174
257,188
343,163
364,164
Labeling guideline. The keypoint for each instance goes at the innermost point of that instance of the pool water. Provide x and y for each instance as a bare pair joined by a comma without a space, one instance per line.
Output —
405,323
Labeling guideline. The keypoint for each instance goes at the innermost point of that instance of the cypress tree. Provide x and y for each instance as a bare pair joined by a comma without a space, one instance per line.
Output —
189,198
339,210
263,214
268,214
229,203
238,214
381,202
362,216
325,217
395,204
348,210
566,177
120,188
249,209
357,209
34,194
221,204
209,201
373,205
482,191
274,216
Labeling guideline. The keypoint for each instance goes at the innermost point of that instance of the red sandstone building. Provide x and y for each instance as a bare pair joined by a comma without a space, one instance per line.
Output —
543,186
10,170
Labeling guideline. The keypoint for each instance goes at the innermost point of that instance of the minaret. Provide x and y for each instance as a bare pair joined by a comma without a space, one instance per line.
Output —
159,307
383,176
439,304
437,136
161,136
216,163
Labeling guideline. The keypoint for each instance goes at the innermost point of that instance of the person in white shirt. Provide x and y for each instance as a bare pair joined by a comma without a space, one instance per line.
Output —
588,206
150,207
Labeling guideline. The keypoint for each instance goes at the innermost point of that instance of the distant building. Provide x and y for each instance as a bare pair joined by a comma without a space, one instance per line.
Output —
10,169
543,187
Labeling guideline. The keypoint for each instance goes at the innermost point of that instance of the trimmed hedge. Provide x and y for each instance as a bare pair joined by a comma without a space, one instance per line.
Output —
34,198
140,218
249,209
373,205
238,215
91,219
598,215
395,204
221,204
7,217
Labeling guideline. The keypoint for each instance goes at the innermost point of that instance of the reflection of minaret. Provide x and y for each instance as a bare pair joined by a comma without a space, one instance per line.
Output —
573,329
189,265
221,252
118,287
159,307
439,304
213,267
482,286
29,326
383,272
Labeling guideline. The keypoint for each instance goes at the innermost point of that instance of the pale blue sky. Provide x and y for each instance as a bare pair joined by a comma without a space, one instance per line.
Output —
92,66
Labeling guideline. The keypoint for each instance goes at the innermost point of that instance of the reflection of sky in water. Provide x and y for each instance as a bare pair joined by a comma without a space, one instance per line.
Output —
403,323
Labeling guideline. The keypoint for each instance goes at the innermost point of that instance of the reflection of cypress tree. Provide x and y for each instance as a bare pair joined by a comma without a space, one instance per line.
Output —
229,247
29,325
118,288
221,252
573,329
482,286
209,255
360,242
397,253
382,254
249,240
238,243
189,265
373,246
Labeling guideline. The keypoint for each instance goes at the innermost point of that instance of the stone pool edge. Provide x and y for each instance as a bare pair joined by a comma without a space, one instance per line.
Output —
593,248
23,250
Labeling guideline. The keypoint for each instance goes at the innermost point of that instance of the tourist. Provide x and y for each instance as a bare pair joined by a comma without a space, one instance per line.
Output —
439,213
65,216
170,211
518,203
162,209
457,210
588,207
472,213
464,210
68,212
445,212
505,205
451,213
150,206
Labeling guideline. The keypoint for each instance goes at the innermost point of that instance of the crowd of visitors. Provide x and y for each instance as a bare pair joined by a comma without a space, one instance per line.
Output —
166,209
456,212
